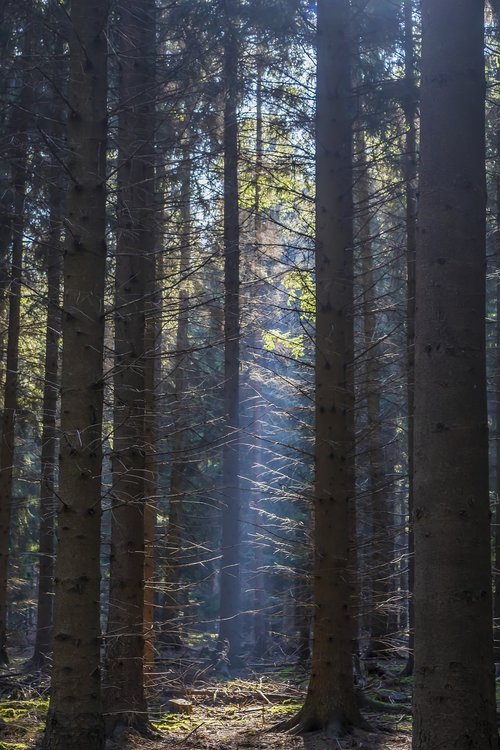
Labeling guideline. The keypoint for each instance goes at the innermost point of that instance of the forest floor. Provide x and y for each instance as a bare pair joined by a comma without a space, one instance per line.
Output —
219,714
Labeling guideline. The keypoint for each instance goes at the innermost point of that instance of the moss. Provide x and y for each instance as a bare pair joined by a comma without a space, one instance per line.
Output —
21,721
174,722
288,707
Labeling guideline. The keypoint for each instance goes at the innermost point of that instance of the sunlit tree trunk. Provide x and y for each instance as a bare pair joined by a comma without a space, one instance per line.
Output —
230,625
171,627
75,716
454,697
152,377
379,513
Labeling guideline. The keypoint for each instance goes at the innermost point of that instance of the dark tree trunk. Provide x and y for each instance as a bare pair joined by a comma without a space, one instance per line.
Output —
331,701
7,435
48,462
43,641
453,612
125,701
410,176
152,376
230,625
496,536
75,717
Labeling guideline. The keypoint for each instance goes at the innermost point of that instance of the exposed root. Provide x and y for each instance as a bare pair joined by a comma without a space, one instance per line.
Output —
307,722
380,706
119,725
287,725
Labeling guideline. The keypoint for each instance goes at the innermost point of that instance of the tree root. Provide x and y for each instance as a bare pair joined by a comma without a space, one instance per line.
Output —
118,725
305,722
380,706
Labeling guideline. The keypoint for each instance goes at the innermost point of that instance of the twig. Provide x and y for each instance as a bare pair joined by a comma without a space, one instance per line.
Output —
188,735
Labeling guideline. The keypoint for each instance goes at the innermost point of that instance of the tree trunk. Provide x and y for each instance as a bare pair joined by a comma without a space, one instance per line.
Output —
152,377
75,717
230,563
453,613
7,436
48,462
260,625
410,176
125,701
43,640
172,626
496,536
331,702
379,513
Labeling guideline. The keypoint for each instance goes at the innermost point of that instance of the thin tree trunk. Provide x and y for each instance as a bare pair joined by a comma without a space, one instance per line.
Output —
453,608
152,376
48,462
75,717
260,628
172,627
496,536
410,176
125,700
380,517
229,630
7,436
43,640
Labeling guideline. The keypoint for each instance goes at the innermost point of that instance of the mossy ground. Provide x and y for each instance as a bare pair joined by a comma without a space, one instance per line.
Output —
229,715
21,721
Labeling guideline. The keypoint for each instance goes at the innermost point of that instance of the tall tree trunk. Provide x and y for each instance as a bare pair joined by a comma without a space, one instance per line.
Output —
173,604
230,626
379,512
75,716
43,640
48,462
496,536
331,700
125,701
453,612
152,376
260,627
410,176
7,441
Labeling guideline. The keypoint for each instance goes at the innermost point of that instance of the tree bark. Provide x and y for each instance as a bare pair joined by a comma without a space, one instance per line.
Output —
75,716
8,424
453,613
331,702
230,626
48,462
172,627
43,639
125,701
381,552
152,377
410,177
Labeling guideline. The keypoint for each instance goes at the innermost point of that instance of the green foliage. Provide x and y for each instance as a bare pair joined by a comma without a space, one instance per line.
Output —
299,286
275,340
301,294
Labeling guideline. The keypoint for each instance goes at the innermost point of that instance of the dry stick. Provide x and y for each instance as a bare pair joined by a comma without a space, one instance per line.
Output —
188,735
